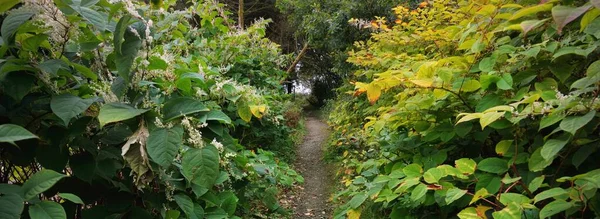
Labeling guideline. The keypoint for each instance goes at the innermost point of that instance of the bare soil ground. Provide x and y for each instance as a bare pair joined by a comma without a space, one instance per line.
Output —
312,199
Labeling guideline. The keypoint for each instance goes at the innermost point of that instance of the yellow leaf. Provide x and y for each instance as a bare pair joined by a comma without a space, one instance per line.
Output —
353,214
531,10
468,213
488,118
373,92
422,82
244,112
481,209
499,108
258,110
482,193
469,117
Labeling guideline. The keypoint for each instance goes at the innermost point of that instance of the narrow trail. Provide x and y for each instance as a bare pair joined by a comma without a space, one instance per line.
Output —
312,200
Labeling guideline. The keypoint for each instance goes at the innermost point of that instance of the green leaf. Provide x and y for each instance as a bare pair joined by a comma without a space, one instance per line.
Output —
119,33
487,64
163,144
40,182
529,25
511,211
85,71
493,165
18,84
535,184
564,15
218,115
67,106
470,85
555,207
156,63
468,213
115,112
201,166
549,194
537,162
129,50
551,120
418,192
94,17
454,194
531,11
489,117
583,153
244,111
562,71
172,214
413,170
181,106
11,206
433,175
11,23
465,165
47,210
10,133
488,181
71,197
503,147
186,204
507,198
588,18
553,146
357,200
573,123
5,5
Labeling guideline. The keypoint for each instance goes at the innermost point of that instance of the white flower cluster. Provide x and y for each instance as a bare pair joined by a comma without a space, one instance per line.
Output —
49,16
218,145
102,88
195,135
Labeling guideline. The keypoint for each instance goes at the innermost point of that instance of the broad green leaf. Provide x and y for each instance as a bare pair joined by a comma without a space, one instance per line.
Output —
67,106
511,211
564,15
535,184
11,23
40,182
119,33
487,64
201,166
244,111
529,25
468,213
507,198
85,71
163,144
490,117
573,123
186,204
490,182
17,85
470,85
181,106
93,17
493,165
71,197
413,170
551,120
5,5
562,71
10,133
537,162
47,210
454,194
172,214
11,205
129,50
115,112
357,200
553,146
588,18
531,11
218,115
593,70
555,207
583,153
433,175
465,165
418,192
481,193
503,147
553,192
156,63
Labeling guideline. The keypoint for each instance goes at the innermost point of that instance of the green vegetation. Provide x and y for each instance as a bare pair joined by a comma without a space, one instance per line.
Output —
176,109
121,109
472,109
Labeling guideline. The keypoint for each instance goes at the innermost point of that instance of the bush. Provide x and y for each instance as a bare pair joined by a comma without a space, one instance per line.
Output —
473,108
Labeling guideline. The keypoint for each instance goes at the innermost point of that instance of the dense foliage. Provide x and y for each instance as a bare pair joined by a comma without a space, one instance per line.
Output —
475,109
124,109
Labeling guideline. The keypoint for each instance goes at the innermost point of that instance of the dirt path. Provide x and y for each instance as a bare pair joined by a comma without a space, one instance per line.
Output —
311,202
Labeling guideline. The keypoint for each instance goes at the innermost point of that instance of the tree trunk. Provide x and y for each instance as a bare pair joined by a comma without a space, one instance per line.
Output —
241,14
298,58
